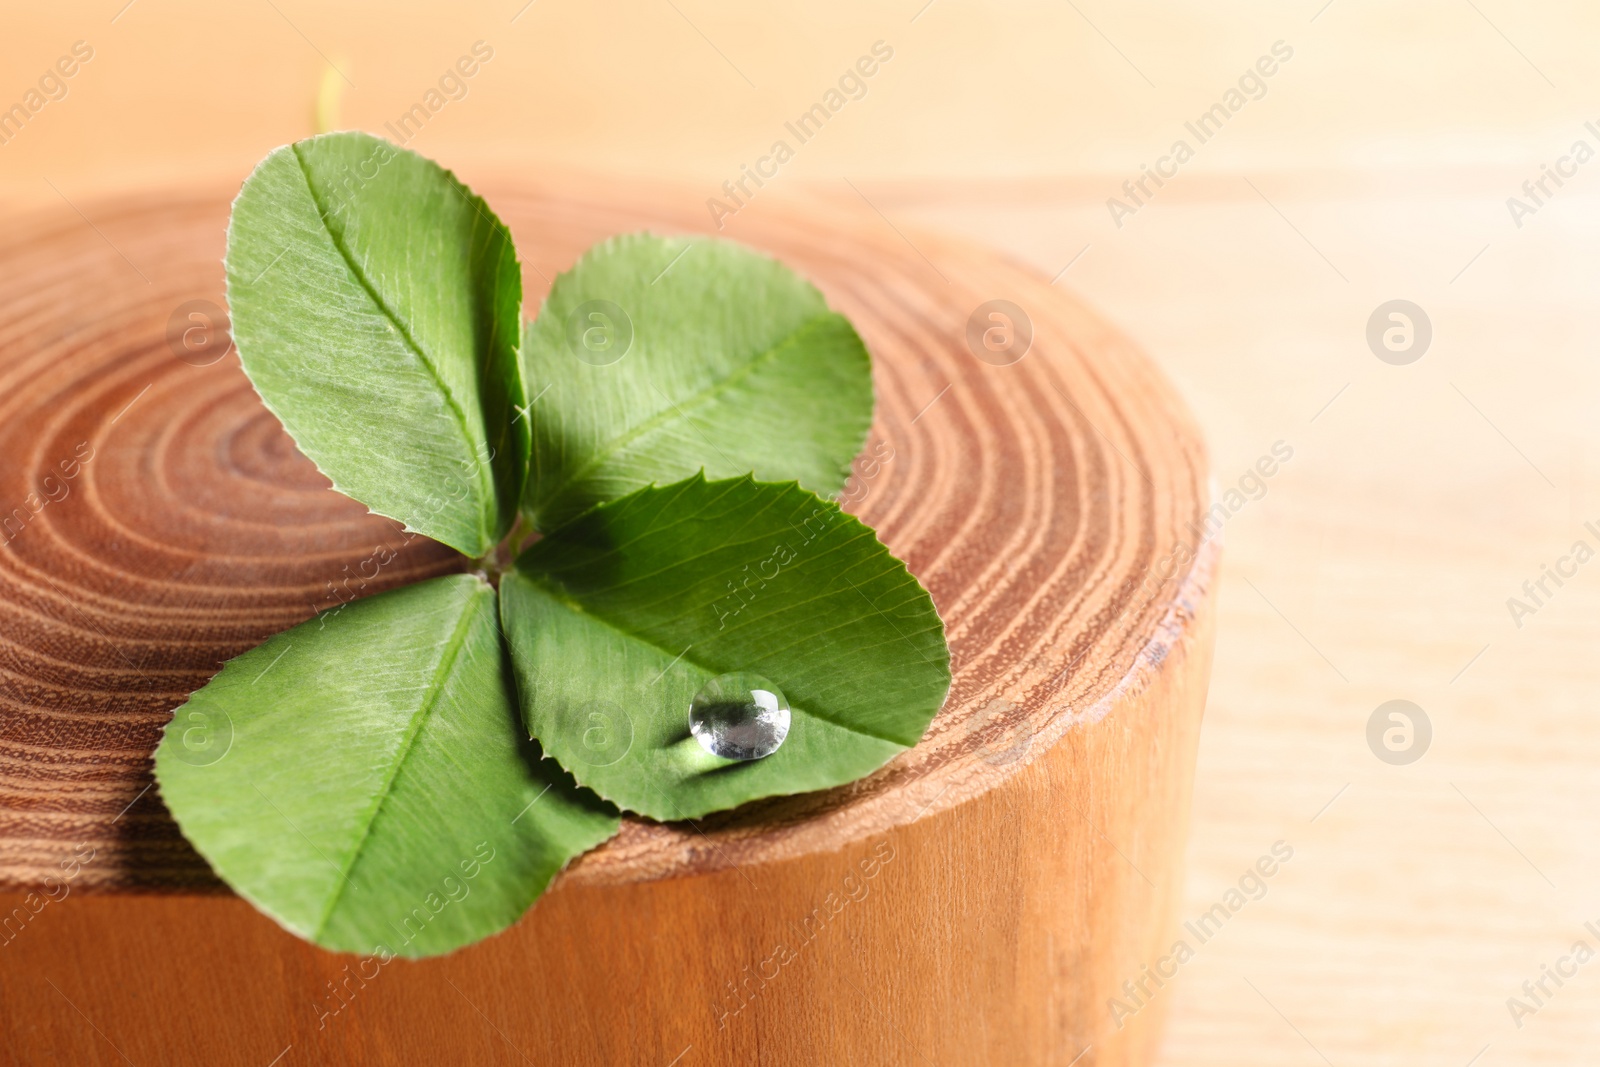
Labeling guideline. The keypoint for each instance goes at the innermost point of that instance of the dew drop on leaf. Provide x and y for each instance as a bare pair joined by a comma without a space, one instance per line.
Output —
739,716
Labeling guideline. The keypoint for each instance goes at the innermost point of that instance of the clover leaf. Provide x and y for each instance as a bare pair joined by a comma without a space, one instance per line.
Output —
629,611
380,778
376,791
376,305
654,358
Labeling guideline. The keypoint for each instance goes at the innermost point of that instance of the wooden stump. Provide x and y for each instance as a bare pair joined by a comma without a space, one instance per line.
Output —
979,900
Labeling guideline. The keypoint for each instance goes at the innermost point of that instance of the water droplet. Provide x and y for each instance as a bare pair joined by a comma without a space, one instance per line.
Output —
739,716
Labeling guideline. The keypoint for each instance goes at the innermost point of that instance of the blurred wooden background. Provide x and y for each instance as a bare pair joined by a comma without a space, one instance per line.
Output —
1375,166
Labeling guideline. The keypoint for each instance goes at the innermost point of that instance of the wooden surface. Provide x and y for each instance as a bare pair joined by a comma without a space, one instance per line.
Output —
1376,567
1390,542
981,897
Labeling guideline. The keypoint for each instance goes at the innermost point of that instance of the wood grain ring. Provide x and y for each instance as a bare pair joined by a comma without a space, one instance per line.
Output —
1052,506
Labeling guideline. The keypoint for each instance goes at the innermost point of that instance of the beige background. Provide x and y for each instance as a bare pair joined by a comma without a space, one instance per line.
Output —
1377,566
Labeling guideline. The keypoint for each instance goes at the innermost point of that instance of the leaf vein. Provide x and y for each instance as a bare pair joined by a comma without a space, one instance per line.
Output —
413,730
571,603
485,486
679,410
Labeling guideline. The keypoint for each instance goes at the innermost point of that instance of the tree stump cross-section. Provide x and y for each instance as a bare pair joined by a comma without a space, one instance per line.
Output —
978,900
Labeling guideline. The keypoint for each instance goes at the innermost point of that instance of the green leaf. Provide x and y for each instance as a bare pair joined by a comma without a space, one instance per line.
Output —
363,779
654,358
376,304
617,619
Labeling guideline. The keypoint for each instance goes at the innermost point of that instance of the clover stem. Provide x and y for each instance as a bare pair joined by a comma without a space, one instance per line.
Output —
494,563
